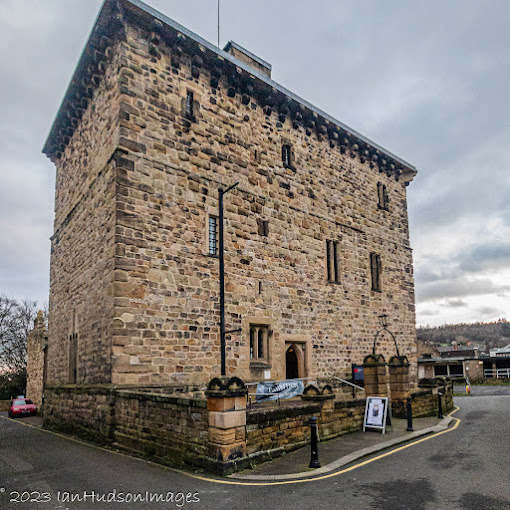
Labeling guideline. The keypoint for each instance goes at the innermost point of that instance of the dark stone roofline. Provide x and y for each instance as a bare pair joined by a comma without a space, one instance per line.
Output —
110,23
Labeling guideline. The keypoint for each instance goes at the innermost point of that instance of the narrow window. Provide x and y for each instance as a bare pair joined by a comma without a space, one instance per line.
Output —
263,227
213,235
189,104
259,343
252,344
332,261
260,350
73,358
286,156
375,269
382,196
73,352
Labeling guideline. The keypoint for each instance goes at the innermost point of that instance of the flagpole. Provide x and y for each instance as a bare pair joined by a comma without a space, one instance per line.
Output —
218,24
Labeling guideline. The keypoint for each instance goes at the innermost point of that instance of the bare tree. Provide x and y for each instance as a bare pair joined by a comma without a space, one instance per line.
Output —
16,321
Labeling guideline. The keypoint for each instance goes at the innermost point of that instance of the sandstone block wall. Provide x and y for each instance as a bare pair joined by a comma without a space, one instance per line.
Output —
82,245
170,289
153,424
36,345
425,401
274,428
162,426
85,411
271,431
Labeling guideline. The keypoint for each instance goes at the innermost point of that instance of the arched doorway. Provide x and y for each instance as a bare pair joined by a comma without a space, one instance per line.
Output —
292,363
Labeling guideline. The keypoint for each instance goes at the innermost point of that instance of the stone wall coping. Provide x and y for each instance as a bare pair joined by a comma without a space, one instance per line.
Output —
158,397
263,415
421,393
317,398
94,389
342,404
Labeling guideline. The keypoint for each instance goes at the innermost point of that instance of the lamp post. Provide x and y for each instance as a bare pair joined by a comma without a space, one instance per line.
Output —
221,254
383,322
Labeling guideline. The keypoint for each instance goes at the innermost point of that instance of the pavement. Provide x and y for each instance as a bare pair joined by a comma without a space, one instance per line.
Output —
342,451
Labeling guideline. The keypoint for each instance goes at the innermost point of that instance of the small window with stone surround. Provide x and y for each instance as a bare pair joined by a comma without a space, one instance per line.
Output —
189,105
212,236
332,261
287,156
382,197
259,343
376,272
263,227
73,358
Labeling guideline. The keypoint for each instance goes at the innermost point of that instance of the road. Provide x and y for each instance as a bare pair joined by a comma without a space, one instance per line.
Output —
465,469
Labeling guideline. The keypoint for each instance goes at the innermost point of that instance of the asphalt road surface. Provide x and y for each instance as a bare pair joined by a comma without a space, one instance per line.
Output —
465,469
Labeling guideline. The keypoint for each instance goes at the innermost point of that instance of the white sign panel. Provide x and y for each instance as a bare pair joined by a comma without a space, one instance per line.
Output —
375,413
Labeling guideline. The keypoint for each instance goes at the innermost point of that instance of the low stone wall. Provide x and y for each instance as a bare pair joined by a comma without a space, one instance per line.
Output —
425,400
4,405
145,422
85,411
217,432
347,416
162,426
275,430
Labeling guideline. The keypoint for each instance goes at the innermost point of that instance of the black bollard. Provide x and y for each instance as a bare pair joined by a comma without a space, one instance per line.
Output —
409,416
314,461
439,405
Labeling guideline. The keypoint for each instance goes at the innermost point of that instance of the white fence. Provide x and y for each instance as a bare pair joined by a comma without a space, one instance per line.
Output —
497,373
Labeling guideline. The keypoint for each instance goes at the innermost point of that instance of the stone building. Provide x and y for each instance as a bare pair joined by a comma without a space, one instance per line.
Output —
153,123
37,344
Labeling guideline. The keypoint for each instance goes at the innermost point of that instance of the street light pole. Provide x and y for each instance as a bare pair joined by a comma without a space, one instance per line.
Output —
221,255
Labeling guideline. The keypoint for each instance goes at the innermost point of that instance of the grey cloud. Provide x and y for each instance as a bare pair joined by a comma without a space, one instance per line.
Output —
428,313
486,256
455,303
490,312
458,288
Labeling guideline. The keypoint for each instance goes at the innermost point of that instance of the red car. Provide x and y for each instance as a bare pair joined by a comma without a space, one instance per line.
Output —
21,407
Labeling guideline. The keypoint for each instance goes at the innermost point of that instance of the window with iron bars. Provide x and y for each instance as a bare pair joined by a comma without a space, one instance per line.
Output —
213,235
189,104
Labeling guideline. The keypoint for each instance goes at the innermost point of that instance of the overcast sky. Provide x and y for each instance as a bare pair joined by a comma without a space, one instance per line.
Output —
427,80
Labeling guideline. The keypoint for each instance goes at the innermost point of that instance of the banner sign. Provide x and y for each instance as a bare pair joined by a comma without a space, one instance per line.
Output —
375,413
279,390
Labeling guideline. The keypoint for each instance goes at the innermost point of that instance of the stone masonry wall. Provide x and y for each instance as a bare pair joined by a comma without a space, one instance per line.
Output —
270,432
425,401
36,345
166,292
85,411
275,428
162,426
82,250
152,424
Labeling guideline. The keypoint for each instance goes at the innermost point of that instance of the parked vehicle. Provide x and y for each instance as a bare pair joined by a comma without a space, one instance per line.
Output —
21,407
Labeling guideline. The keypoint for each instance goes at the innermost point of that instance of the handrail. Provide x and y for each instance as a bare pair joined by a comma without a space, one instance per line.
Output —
276,381
349,383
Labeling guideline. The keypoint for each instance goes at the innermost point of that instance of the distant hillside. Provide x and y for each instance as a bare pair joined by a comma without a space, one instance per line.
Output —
483,334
